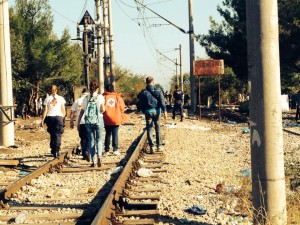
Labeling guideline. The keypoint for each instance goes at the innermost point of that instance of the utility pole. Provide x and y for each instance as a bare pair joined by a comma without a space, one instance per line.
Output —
192,58
7,135
99,47
180,66
111,45
267,155
177,78
86,53
106,42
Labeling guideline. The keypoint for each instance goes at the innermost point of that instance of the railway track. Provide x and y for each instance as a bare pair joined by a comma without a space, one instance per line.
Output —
68,191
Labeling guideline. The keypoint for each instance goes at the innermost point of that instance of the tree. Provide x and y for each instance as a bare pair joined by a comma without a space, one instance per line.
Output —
228,41
129,84
39,57
289,27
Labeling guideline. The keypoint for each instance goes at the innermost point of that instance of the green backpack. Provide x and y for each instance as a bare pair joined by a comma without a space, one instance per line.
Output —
92,115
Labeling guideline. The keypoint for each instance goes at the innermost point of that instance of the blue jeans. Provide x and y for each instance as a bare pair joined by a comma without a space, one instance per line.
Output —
111,131
95,140
153,118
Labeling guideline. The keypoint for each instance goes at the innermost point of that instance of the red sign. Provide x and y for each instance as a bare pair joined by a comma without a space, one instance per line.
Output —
208,67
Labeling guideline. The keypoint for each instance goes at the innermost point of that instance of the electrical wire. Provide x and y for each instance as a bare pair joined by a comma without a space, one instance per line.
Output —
179,28
117,1
153,3
83,10
126,4
72,21
146,29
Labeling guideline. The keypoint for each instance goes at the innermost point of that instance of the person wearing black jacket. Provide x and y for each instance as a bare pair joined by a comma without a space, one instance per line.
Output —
178,100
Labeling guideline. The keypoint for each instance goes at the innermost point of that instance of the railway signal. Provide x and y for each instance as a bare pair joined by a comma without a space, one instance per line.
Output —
90,42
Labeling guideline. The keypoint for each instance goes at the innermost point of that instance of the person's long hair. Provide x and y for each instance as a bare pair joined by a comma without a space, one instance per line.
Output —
94,85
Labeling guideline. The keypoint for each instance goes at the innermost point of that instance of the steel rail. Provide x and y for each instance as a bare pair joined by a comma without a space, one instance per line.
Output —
7,192
291,132
108,209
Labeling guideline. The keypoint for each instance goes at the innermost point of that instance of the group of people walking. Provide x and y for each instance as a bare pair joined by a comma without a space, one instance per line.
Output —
94,112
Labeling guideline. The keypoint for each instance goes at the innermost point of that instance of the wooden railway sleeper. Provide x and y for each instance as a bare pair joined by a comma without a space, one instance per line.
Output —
140,197
134,166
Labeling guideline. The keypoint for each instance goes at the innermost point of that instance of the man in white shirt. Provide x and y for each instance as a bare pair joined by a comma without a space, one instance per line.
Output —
54,112
83,134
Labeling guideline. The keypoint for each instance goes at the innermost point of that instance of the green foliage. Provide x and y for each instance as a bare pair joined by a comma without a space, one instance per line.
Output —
129,84
39,58
289,26
173,82
227,40
230,87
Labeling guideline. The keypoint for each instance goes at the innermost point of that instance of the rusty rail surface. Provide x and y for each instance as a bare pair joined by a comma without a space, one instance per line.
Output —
291,132
107,211
7,192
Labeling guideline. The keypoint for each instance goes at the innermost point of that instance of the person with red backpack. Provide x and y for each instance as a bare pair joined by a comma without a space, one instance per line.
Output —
113,117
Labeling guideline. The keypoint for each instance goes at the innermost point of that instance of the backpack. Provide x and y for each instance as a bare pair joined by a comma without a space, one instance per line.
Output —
146,101
92,116
114,110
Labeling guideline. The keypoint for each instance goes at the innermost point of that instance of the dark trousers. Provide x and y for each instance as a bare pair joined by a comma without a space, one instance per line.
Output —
297,112
153,118
55,129
84,139
178,106
111,131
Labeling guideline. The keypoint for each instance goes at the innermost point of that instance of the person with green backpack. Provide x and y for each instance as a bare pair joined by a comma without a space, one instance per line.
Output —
92,111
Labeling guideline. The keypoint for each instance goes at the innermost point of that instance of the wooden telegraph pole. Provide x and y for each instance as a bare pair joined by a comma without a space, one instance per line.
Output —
176,71
192,58
267,154
180,66
7,134
99,47
111,45
106,43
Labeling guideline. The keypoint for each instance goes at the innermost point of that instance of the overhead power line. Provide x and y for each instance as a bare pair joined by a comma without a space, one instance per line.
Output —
179,28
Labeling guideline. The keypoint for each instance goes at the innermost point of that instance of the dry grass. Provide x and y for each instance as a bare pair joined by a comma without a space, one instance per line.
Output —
292,172
293,208
245,206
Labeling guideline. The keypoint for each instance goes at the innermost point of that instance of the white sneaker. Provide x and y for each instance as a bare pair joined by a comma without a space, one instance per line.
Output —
160,149
117,153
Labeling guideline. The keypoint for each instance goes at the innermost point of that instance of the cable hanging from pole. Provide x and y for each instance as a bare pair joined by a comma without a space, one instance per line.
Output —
179,28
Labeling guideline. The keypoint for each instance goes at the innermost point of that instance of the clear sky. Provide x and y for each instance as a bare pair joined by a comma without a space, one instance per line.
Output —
143,49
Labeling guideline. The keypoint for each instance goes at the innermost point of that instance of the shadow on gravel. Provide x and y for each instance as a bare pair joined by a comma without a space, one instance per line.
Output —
226,114
103,193
176,221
